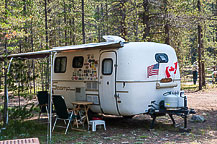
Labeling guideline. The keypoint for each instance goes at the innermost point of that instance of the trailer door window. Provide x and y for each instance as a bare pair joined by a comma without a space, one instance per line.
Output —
60,65
161,58
107,66
78,62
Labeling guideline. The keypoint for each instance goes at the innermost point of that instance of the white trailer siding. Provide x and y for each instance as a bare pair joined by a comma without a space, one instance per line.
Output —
135,89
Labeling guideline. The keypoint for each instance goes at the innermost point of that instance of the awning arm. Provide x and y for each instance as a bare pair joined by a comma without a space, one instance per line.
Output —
52,58
6,91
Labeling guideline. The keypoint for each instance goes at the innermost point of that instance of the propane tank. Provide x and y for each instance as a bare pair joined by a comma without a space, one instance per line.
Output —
181,99
171,102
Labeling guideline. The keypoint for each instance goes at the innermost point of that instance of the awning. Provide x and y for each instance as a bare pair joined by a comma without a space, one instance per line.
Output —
46,53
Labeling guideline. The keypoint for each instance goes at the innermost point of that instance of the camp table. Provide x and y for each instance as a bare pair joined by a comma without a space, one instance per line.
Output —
80,108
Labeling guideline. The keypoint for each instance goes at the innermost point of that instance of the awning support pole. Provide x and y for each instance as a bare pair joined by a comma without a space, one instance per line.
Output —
52,58
6,92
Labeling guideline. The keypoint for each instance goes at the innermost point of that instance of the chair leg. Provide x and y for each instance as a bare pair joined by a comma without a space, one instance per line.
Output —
71,125
104,126
54,124
39,115
67,126
88,126
47,112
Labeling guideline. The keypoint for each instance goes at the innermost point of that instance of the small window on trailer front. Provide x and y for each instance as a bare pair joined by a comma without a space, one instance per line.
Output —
107,66
161,58
60,65
78,62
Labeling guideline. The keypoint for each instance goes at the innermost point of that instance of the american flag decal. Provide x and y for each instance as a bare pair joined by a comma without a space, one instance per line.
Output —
153,70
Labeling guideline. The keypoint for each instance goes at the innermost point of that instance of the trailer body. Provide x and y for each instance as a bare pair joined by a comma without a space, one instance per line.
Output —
119,81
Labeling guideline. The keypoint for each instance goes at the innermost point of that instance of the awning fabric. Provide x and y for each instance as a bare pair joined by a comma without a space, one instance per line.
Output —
46,53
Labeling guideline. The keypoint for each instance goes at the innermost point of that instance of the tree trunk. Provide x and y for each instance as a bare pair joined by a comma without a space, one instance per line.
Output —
123,31
42,77
46,23
5,115
83,24
167,26
146,21
199,49
106,18
33,64
73,24
101,23
5,87
65,29
167,32
201,70
47,46
98,25
0,82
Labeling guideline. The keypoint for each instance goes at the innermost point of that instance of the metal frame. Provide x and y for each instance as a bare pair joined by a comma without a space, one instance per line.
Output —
161,111
69,119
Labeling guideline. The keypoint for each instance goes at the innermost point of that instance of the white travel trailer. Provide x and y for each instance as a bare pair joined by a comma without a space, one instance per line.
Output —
120,78
128,79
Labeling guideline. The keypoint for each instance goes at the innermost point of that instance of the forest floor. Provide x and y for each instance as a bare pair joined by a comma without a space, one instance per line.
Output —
136,130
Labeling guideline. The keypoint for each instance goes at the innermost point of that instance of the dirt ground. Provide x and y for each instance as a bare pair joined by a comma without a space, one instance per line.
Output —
120,130
136,130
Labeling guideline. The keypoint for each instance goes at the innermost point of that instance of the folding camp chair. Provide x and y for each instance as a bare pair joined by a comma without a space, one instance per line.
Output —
43,102
62,112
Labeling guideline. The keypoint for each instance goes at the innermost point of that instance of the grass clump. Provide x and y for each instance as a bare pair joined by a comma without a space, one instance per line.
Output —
22,129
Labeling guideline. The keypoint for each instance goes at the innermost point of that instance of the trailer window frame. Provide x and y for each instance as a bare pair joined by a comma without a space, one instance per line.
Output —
62,60
78,62
103,66
161,57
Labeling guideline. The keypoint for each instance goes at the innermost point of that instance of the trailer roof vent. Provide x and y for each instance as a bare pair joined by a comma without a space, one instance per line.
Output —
111,38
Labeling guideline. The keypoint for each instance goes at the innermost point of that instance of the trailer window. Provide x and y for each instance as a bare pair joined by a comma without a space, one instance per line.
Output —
107,66
60,65
78,62
161,58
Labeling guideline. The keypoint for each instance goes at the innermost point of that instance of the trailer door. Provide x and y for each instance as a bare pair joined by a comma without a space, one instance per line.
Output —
107,84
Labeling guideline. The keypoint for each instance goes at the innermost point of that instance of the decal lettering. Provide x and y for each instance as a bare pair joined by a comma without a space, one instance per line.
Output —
56,87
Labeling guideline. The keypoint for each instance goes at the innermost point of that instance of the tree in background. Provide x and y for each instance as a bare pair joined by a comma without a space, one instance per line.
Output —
31,25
